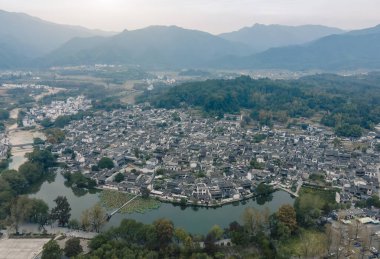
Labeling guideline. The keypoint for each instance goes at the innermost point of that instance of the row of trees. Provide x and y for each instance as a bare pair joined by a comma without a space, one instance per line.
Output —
161,239
63,120
52,250
31,210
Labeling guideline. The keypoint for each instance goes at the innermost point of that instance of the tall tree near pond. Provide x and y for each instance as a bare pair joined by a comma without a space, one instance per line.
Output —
39,212
254,220
61,211
165,230
217,231
16,180
97,217
287,215
31,171
42,157
19,211
85,220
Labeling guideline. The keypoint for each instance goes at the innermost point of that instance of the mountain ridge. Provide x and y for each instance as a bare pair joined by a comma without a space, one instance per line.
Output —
352,50
262,37
153,46
30,36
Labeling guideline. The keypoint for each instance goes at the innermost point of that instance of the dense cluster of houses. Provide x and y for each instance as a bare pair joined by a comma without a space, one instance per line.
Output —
178,154
55,109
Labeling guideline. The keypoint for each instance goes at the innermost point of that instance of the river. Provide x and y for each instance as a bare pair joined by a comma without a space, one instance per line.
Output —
194,220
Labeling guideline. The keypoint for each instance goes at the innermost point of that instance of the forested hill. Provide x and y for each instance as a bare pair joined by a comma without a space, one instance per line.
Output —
347,103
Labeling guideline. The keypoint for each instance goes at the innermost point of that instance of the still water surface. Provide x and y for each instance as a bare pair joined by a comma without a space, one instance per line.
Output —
194,220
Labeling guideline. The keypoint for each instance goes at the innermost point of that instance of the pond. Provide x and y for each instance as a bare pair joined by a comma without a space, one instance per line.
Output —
195,220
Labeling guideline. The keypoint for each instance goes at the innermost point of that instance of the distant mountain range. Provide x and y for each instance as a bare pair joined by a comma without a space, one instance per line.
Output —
23,37
262,37
352,50
28,42
155,46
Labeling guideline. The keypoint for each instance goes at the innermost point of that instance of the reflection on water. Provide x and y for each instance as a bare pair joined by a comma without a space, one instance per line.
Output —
196,220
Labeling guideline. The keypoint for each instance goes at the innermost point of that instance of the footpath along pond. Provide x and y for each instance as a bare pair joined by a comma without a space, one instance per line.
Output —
195,220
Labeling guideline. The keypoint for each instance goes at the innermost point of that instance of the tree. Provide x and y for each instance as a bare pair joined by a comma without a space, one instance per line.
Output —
19,211
164,229
6,196
61,211
31,171
312,244
85,220
287,215
263,189
337,142
38,141
97,217
253,220
54,135
73,224
217,231
51,250
256,165
16,180
119,177
4,114
279,230
183,201
46,123
137,152
105,162
73,247
308,209
42,157
180,235
238,234
210,247
145,192
347,130
62,121
39,212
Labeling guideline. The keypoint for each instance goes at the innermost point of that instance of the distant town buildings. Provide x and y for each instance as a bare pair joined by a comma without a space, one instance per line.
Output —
55,109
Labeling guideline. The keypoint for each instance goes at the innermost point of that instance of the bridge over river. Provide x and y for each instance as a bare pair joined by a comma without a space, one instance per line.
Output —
109,216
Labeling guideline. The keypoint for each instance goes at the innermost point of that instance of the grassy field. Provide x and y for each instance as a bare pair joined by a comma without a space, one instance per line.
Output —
114,199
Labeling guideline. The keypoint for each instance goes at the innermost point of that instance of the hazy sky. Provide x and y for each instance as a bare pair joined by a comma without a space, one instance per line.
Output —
214,16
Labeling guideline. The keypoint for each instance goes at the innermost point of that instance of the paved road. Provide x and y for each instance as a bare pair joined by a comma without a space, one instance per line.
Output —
21,248
58,230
